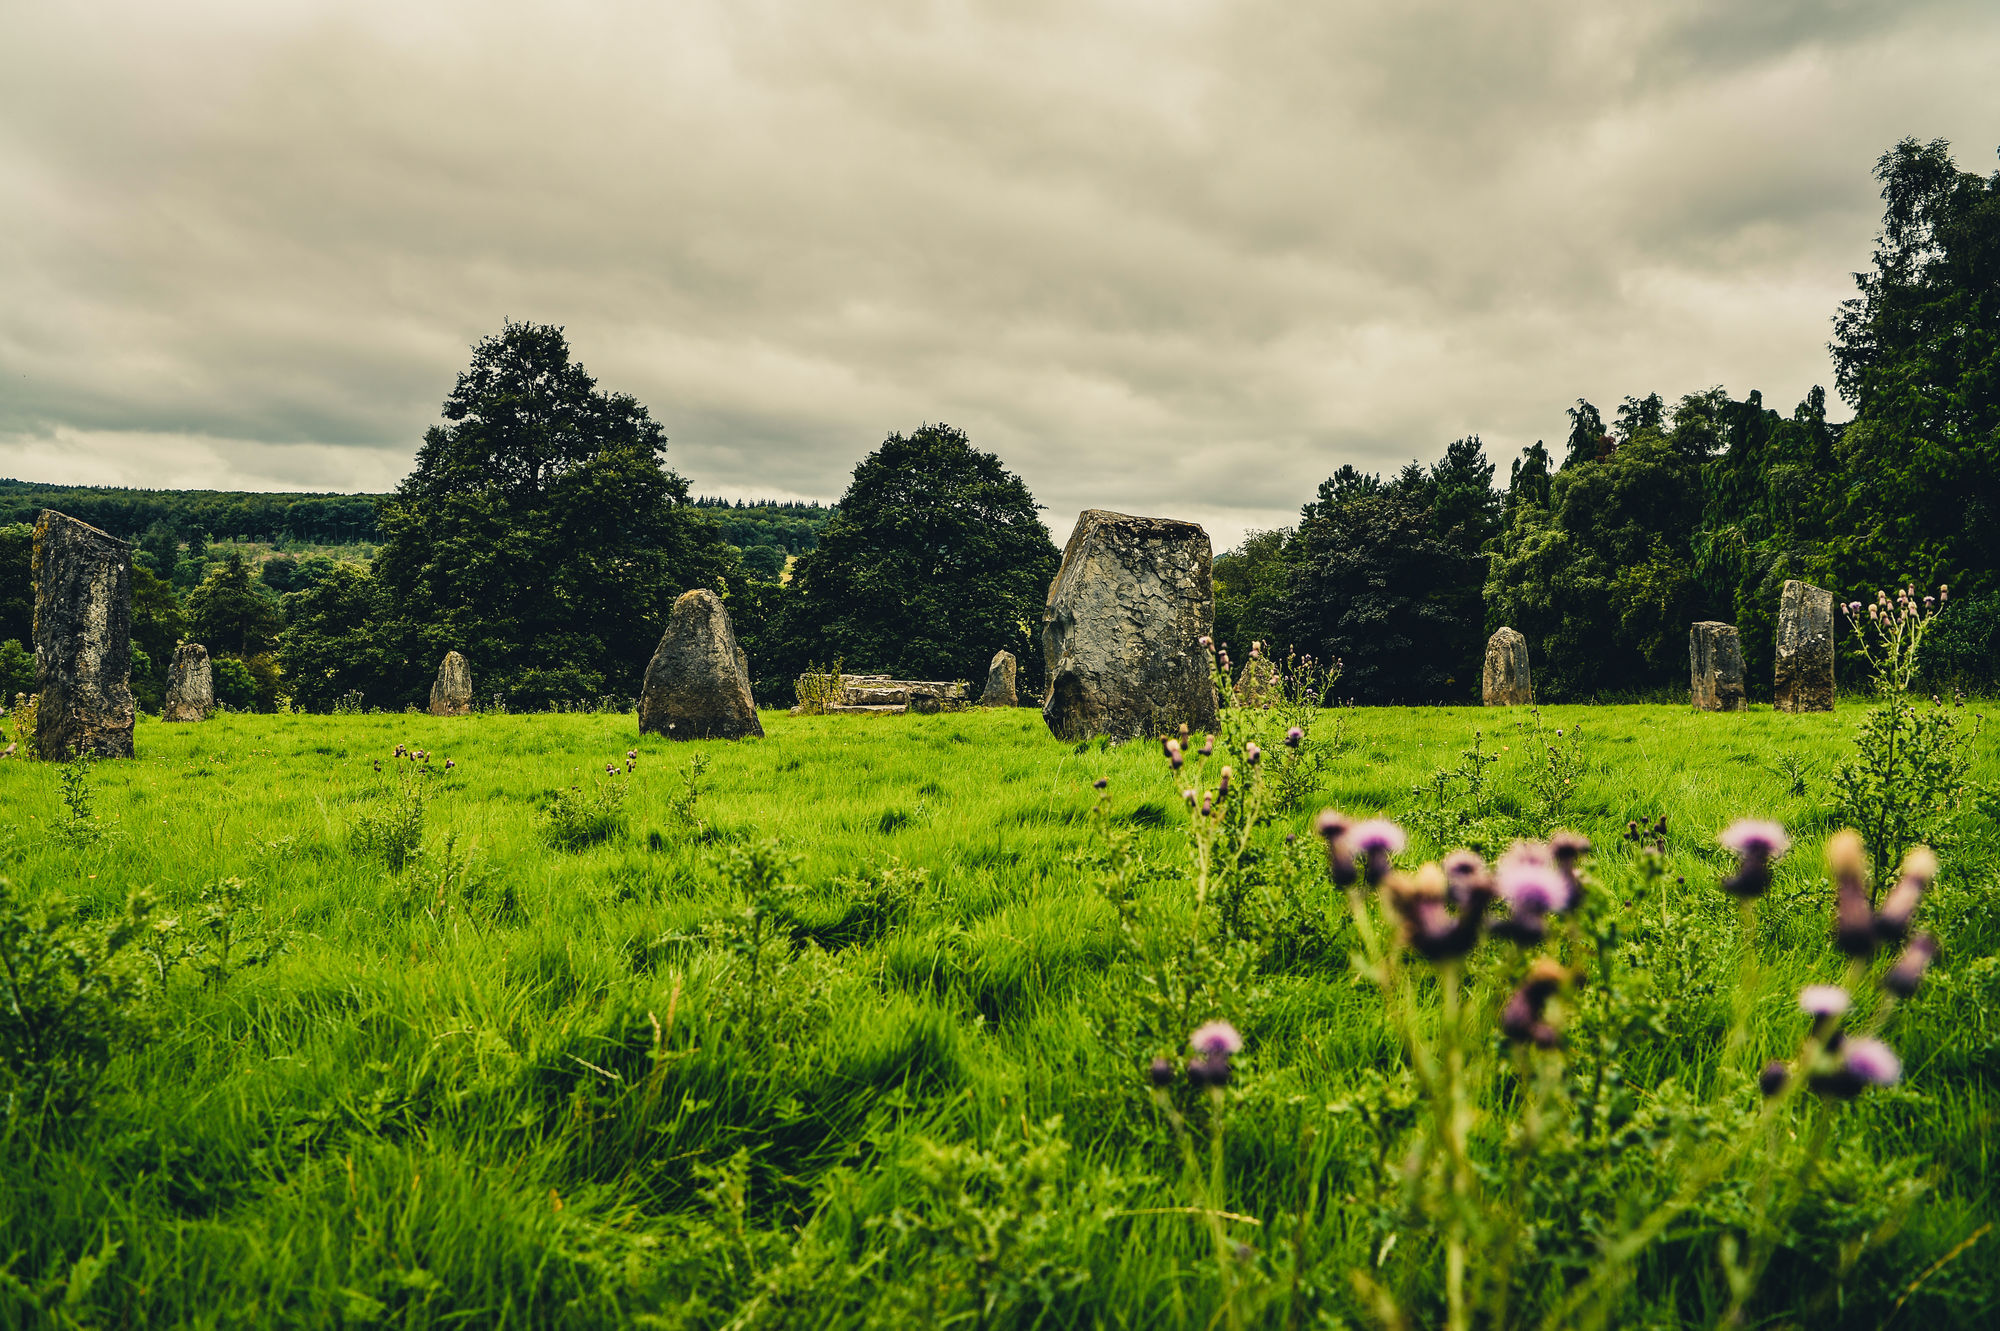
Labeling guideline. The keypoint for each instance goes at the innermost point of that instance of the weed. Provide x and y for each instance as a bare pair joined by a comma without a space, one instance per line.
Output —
818,688
587,814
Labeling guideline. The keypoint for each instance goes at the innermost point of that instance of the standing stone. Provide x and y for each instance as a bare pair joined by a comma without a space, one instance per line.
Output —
83,640
1504,681
1715,665
1000,676
1122,630
698,684
451,694
1257,683
190,685
1804,681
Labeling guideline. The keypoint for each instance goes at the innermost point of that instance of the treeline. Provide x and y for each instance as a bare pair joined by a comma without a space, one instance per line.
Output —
766,532
306,519
1605,550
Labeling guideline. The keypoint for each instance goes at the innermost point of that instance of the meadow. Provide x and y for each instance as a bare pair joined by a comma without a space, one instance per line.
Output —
851,1025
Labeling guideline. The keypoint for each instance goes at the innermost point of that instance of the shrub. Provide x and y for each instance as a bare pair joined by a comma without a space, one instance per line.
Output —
235,686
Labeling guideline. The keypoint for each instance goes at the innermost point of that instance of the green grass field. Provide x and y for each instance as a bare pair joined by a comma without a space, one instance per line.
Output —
516,1085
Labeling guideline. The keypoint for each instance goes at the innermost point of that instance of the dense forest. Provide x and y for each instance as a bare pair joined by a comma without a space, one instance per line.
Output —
543,534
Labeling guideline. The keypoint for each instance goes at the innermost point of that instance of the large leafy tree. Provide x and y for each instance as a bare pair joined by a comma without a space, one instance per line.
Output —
1917,353
329,645
17,583
228,614
935,559
541,532
1250,583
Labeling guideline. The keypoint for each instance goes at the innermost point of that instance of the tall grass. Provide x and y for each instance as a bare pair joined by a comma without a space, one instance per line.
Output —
873,1073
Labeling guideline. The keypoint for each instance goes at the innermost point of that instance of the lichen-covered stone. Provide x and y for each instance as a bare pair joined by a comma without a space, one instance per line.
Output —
1001,676
698,683
1257,682
190,685
1504,681
451,692
1804,675
1715,667
83,640
1122,630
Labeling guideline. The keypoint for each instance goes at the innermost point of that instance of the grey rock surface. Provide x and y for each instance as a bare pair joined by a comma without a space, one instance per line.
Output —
1122,627
698,682
1001,680
451,692
1504,681
1715,667
190,685
83,640
1804,674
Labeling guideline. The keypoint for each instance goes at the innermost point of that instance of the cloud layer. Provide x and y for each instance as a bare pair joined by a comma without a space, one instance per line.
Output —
1171,257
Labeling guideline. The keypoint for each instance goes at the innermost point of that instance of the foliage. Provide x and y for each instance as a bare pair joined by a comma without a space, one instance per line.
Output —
159,624
17,582
1249,589
393,832
150,517
79,824
818,688
329,644
540,533
934,560
1962,650
235,686
17,671
228,614
588,812
72,1000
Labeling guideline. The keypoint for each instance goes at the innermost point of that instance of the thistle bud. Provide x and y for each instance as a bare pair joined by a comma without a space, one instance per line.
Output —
1773,1080
1251,753
1892,922
1903,978
1161,1072
1854,919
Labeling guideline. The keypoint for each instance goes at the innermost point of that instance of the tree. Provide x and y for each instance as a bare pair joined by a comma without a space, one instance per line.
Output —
157,625
1527,482
541,532
1249,591
1587,440
1917,353
228,615
934,560
329,646
1371,584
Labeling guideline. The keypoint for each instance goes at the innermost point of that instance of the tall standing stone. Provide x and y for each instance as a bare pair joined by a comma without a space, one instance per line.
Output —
451,693
190,685
1122,630
1715,667
1000,682
698,683
1504,681
83,640
1804,677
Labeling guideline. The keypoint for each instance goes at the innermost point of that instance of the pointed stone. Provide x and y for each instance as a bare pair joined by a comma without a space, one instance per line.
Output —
1122,628
1257,683
1804,674
698,683
451,693
1715,667
190,685
1000,682
1504,681
83,640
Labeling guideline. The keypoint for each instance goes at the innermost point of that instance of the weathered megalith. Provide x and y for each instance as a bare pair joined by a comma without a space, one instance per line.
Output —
190,685
1257,681
698,683
1715,667
451,694
1000,682
83,640
1804,681
1504,681
1122,630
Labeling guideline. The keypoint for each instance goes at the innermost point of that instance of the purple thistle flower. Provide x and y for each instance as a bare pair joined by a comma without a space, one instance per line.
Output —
449,763
1376,842
1864,1062
1161,1071
1892,922
1209,1070
1251,753
1903,978
1222,785
632,755
1205,641
1530,880
1216,1037
1823,1000
1429,928
1332,826
1775,1077
1522,1017
1465,874
1293,737
1756,844
1854,918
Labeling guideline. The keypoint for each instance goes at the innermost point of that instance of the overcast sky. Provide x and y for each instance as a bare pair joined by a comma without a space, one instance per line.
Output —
1165,256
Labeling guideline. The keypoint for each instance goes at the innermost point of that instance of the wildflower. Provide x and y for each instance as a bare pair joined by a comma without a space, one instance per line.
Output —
1332,826
1216,1037
1174,759
1099,784
1161,1071
1466,874
1823,1000
1430,929
1756,844
1892,922
1903,978
1207,746
1209,1070
1293,737
1524,1015
1207,806
1222,786
1251,753
1863,1062
631,755
1376,842
449,764
1775,1077
1534,887
1854,918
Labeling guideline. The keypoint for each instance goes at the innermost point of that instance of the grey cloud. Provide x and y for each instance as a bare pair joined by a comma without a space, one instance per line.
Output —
1181,257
